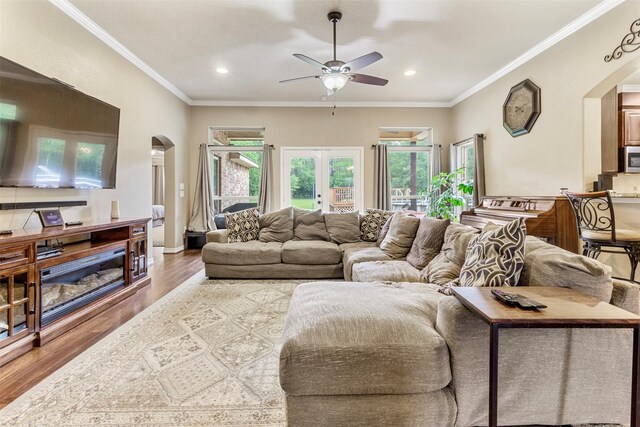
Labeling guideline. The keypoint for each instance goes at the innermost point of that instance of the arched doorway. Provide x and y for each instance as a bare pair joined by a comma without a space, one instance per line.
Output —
162,199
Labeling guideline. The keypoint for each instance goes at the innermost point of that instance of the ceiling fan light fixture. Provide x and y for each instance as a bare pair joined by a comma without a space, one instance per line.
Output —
334,81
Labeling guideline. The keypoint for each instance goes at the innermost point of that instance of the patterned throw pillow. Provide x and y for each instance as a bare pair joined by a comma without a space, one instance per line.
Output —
243,226
495,257
372,223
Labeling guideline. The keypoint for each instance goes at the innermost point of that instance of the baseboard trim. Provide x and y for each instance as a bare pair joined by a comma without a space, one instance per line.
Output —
173,250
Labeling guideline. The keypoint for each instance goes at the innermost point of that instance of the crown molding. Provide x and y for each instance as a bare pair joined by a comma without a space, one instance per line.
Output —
628,88
554,39
110,41
327,104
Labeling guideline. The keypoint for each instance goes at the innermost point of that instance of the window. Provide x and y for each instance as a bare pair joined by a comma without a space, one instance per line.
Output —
463,156
411,166
236,162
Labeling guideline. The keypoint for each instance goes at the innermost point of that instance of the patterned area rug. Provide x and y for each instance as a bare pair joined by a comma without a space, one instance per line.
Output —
206,354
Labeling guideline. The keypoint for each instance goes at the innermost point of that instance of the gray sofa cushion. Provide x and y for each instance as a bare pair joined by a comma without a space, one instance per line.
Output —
359,245
385,271
549,265
428,241
345,338
309,225
276,226
242,253
445,267
343,227
372,222
402,231
354,255
311,252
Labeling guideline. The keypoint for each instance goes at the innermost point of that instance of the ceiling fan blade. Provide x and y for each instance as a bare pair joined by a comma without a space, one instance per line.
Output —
368,80
311,61
299,78
362,61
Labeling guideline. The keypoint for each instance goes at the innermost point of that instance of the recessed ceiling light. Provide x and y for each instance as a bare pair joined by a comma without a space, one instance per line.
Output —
222,70
409,73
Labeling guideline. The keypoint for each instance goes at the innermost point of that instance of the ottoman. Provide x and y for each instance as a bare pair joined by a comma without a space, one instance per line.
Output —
357,353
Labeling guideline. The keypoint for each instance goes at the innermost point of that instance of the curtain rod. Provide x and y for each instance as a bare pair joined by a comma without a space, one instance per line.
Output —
432,145
238,146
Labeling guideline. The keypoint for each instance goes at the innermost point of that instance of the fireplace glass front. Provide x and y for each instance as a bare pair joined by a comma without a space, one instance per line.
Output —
71,285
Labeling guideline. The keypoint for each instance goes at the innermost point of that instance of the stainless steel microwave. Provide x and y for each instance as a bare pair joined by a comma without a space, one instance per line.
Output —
632,159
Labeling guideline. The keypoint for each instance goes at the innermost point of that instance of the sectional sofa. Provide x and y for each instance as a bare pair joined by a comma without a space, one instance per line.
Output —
386,346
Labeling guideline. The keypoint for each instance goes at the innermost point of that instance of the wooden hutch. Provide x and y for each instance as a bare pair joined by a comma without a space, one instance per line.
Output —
53,279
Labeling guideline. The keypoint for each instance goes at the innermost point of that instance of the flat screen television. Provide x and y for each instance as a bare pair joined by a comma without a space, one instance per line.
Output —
52,135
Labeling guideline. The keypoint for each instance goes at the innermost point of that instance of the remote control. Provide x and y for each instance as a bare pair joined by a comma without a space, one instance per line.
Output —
506,298
72,223
527,303
4,232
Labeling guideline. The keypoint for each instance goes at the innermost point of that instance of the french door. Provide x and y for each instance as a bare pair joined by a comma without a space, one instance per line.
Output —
322,178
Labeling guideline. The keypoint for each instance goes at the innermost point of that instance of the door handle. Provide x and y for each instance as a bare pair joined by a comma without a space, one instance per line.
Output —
319,195
32,309
319,202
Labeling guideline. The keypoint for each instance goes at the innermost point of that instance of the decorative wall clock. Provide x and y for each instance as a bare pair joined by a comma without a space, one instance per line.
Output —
521,108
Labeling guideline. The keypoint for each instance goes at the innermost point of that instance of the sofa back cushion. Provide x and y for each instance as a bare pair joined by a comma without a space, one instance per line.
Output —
445,267
243,226
276,226
383,231
495,257
402,231
371,224
549,265
428,241
343,227
309,225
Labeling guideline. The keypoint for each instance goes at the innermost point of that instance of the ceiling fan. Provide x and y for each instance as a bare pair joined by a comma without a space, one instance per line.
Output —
335,73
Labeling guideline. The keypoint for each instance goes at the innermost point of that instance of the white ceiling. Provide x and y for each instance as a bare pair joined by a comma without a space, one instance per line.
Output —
453,45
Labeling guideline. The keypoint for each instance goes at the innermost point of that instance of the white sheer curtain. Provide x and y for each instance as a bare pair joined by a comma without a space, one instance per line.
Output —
203,211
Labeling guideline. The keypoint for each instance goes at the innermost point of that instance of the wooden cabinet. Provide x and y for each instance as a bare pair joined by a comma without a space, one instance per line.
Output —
628,119
43,295
17,303
630,126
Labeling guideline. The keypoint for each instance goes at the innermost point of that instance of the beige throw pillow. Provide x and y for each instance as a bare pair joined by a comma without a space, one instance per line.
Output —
309,225
445,267
343,227
383,231
402,231
276,226
428,241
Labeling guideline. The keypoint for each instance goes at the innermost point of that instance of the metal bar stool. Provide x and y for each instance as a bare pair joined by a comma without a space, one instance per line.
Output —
597,228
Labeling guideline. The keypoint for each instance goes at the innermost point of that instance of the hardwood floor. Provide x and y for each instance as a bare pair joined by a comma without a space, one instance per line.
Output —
168,271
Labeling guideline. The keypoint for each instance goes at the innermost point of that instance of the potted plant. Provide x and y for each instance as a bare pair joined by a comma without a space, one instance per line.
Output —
446,194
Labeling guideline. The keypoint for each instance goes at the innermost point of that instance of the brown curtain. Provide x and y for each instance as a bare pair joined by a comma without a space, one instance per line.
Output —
158,185
381,178
203,211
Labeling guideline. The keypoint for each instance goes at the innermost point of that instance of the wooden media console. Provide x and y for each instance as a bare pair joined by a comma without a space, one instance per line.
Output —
53,279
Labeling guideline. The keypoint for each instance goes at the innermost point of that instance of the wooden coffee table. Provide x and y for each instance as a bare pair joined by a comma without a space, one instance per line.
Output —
566,308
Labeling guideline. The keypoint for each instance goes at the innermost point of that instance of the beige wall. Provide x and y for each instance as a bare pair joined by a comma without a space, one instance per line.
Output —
317,127
553,154
39,36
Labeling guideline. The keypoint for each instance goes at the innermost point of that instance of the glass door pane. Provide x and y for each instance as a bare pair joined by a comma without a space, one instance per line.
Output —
304,186
341,184
323,178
